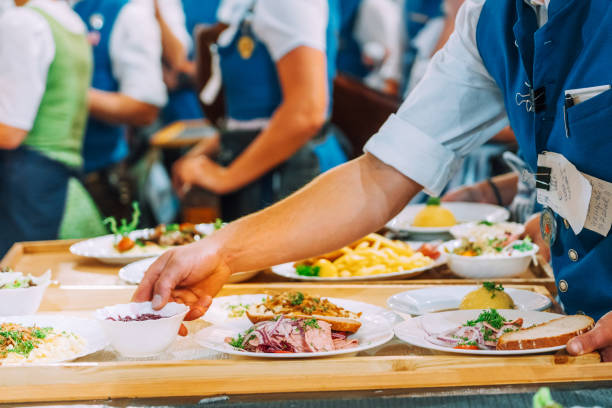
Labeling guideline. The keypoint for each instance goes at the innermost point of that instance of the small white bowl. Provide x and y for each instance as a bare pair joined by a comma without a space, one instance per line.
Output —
23,301
141,338
487,266
468,229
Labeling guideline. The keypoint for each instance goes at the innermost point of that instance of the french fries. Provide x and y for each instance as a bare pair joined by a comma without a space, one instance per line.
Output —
371,255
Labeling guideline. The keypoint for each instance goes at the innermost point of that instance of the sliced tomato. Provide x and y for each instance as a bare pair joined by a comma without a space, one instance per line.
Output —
466,347
429,250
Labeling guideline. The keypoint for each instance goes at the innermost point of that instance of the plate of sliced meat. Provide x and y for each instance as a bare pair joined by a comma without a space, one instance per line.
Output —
294,325
493,332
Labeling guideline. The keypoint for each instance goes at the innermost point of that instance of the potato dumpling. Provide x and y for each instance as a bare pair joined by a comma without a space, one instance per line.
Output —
326,269
486,298
433,215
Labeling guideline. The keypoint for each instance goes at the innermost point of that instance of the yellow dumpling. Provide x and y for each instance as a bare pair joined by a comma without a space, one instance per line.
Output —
326,269
433,215
484,298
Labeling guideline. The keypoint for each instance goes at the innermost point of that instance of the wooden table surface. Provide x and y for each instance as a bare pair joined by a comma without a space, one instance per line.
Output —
85,285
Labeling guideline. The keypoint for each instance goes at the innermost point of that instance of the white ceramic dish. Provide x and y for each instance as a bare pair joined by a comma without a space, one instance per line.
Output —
488,266
102,248
463,212
88,329
438,298
414,331
287,270
23,301
141,338
134,272
376,329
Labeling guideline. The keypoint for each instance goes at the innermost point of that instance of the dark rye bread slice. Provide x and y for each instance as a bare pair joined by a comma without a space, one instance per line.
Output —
258,313
556,332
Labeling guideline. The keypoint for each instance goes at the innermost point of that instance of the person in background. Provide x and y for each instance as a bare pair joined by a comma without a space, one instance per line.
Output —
45,71
474,87
277,62
370,43
127,90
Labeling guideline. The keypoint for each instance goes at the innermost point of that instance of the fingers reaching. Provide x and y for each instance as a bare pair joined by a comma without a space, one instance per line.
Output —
144,292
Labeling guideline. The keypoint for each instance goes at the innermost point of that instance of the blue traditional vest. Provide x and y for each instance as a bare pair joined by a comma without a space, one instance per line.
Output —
251,86
105,144
572,50
349,59
418,12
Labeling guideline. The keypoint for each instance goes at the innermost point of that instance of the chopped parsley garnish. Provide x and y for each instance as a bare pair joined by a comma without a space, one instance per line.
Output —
312,323
41,332
307,270
237,342
433,201
492,317
491,287
487,223
218,224
173,227
524,245
296,298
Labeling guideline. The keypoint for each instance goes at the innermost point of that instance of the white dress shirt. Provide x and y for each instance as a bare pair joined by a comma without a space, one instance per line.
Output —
174,15
27,49
455,108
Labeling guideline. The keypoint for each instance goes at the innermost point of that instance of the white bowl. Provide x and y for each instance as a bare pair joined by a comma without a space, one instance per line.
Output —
141,338
23,301
487,266
467,230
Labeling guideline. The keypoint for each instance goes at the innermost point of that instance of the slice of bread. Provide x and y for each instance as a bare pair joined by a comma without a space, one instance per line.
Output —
556,332
258,313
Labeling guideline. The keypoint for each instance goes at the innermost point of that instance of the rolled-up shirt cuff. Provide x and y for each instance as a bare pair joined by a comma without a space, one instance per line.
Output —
415,154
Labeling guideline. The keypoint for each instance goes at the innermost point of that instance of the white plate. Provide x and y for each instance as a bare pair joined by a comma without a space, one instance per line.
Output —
463,212
102,248
414,331
433,299
87,329
134,272
288,271
376,328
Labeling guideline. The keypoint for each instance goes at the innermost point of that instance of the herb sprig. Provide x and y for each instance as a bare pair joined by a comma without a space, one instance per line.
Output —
124,228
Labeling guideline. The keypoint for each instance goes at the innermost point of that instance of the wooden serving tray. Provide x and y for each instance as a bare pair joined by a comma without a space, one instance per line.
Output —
391,366
37,257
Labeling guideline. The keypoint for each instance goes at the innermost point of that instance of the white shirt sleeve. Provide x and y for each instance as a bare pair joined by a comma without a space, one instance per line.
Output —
287,24
26,52
380,21
135,51
453,110
174,16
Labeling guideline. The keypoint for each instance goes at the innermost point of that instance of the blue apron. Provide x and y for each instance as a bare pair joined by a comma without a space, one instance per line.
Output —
349,59
32,207
572,50
105,144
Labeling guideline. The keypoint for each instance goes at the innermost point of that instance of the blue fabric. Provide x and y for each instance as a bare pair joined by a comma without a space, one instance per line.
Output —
37,187
418,12
329,153
349,59
105,144
251,86
572,50
183,104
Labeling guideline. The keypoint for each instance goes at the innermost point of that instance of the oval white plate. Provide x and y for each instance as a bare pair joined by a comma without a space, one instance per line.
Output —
134,272
463,212
87,329
413,331
102,248
433,299
376,328
287,270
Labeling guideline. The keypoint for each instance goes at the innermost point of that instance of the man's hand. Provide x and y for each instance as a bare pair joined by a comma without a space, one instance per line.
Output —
191,274
600,338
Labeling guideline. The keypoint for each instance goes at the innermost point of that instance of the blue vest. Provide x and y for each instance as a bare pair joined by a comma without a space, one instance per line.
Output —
105,144
349,59
418,12
251,86
572,50
183,104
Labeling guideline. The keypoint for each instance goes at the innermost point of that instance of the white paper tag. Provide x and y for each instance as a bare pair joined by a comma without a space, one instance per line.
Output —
584,94
599,218
213,86
570,192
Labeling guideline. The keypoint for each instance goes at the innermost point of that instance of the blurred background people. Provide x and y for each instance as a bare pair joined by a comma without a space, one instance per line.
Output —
126,90
45,72
277,63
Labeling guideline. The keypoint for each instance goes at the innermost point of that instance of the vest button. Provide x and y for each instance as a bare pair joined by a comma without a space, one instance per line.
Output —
573,255
563,286
566,224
